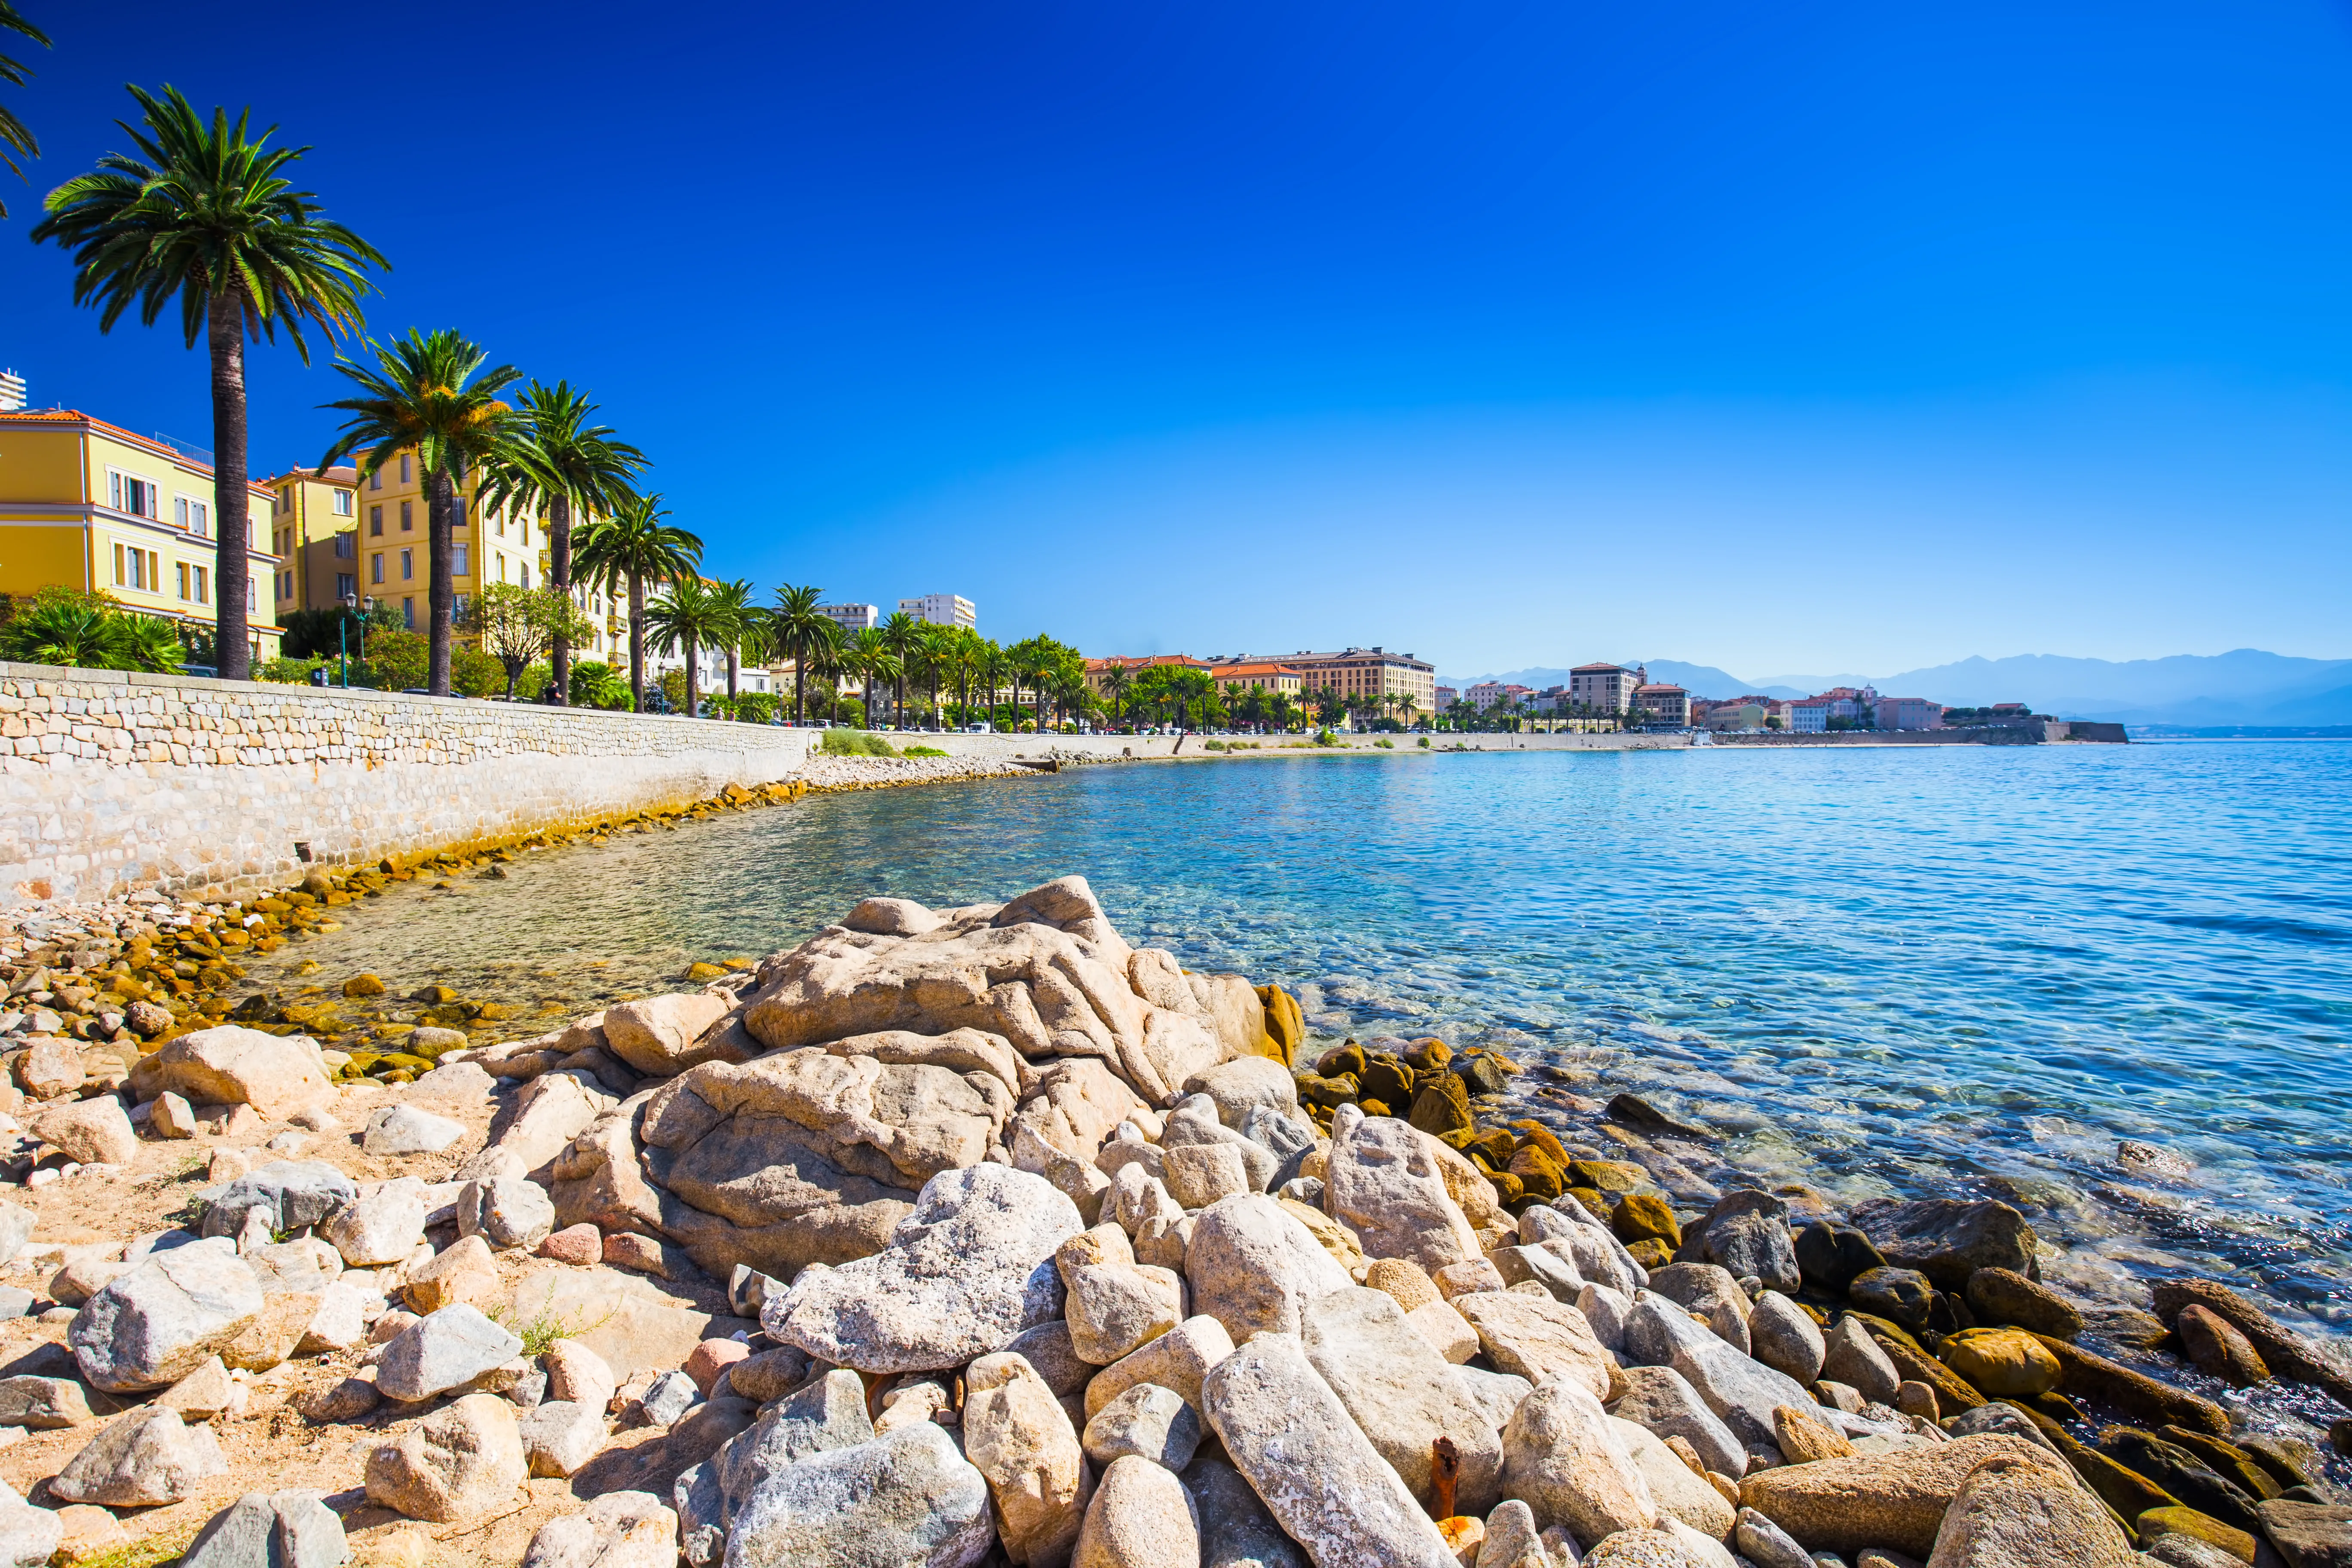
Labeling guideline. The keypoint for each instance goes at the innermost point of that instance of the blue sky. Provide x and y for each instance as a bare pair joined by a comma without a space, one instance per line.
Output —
1827,336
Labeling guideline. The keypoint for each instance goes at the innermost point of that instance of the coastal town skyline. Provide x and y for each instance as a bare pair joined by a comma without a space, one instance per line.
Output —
949,361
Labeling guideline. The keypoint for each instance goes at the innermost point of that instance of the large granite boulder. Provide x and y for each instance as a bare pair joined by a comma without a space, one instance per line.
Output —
971,1268
907,1496
1046,972
806,1156
163,1319
1317,1472
1383,1181
232,1065
1402,1395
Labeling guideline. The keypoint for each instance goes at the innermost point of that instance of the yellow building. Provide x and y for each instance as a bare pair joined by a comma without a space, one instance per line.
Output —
89,505
387,552
314,529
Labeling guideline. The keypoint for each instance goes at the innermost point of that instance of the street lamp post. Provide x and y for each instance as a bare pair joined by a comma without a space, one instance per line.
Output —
343,640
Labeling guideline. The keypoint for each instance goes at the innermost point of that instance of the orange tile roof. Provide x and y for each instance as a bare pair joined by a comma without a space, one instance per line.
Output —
116,432
1221,670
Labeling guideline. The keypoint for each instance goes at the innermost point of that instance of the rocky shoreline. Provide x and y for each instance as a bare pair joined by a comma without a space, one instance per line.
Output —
978,1234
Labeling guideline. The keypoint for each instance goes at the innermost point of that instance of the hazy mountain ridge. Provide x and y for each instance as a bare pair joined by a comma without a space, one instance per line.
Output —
2244,686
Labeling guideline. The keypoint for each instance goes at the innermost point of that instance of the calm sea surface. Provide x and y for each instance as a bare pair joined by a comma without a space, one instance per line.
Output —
1948,971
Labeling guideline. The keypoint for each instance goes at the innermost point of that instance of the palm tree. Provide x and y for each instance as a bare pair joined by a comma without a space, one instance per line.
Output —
999,669
935,651
428,393
693,615
870,658
747,634
799,632
1115,682
635,546
902,633
206,214
828,663
562,466
16,73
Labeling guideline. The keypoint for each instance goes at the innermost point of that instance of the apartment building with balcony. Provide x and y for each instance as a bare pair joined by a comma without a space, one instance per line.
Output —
92,506
1605,688
1359,672
942,610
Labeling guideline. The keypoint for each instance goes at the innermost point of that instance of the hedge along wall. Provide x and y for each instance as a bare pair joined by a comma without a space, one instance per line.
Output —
112,782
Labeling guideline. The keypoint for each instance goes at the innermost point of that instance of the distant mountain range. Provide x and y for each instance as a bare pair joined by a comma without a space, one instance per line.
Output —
2246,686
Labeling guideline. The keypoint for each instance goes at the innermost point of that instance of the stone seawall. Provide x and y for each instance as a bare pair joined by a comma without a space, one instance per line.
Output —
113,782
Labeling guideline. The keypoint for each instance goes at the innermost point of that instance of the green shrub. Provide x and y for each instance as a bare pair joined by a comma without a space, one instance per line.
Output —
922,752
595,684
67,626
473,673
757,707
855,743
287,671
1385,744
1423,742
531,687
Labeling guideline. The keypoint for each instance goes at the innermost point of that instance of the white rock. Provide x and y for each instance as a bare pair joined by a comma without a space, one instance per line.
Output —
406,1129
1320,1476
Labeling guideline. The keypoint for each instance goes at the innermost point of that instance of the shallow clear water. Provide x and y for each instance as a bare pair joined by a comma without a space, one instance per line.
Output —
1919,971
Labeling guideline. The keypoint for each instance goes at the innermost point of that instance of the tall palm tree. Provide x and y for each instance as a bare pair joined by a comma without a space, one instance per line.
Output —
692,615
828,664
635,546
801,633
14,134
1115,682
205,213
870,658
428,393
934,649
746,634
999,669
562,466
902,633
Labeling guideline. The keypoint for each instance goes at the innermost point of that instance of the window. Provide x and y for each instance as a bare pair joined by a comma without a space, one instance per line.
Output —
346,585
195,516
136,568
375,567
526,574
407,566
375,520
183,579
204,593
252,601
457,560
408,614
464,601
347,546
407,517
375,480
128,492
343,504
403,468
500,522
286,584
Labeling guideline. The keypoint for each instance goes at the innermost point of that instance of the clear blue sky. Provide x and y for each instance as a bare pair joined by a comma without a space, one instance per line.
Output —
1828,336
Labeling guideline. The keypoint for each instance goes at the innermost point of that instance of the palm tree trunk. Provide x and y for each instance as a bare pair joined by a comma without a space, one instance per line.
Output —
231,573
733,656
559,577
693,669
442,591
637,641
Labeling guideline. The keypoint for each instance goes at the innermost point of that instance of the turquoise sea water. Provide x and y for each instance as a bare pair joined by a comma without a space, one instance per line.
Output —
1948,971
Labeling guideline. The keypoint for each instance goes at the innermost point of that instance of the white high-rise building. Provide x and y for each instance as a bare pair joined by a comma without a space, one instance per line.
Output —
852,618
942,610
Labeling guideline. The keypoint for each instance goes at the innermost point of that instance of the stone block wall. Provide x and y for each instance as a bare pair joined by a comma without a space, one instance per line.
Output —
113,782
